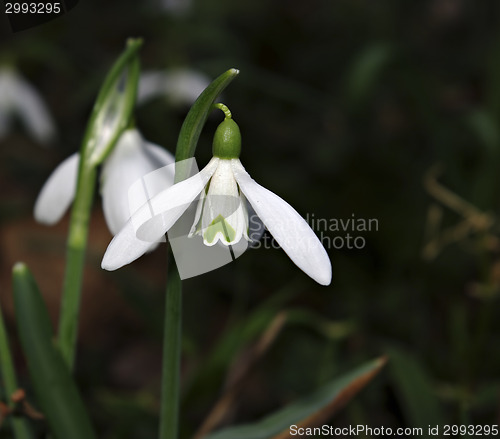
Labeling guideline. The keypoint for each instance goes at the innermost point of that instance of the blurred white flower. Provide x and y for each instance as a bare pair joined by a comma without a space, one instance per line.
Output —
180,86
130,160
20,99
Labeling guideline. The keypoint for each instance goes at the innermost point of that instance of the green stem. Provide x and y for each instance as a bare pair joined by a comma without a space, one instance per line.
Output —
186,145
171,355
118,106
224,109
75,261
20,426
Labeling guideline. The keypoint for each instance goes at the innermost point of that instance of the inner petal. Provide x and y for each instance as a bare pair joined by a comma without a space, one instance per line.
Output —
222,216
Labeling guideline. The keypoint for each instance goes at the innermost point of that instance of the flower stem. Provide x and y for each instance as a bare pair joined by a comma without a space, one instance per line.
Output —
224,109
75,261
186,146
114,104
169,418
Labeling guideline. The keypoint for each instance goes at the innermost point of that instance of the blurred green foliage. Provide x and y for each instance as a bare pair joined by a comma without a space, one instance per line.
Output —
344,106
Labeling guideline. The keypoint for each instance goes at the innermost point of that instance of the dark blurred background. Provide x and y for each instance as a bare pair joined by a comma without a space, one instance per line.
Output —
386,110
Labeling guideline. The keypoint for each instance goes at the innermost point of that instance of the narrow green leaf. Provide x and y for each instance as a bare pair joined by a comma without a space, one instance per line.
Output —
54,388
414,390
20,426
197,116
310,411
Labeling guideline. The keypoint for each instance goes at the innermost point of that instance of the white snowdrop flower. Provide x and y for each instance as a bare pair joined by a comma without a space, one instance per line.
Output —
129,161
221,216
20,99
180,86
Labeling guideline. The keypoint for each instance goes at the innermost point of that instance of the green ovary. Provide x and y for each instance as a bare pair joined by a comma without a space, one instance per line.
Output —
219,224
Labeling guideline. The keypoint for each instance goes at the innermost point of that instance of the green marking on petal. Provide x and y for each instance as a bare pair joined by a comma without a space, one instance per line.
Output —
219,224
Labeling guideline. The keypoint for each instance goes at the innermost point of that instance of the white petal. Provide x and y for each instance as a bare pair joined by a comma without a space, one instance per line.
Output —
58,191
131,159
289,229
31,108
161,212
124,248
196,227
127,245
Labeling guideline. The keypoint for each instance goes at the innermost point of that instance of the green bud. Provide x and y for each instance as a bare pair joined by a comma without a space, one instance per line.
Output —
227,140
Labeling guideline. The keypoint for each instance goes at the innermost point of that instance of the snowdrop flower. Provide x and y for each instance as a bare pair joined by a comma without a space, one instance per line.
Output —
180,86
221,216
19,98
130,160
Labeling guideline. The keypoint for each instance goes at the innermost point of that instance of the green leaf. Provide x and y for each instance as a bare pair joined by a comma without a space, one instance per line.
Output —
19,425
312,410
414,390
54,388
197,116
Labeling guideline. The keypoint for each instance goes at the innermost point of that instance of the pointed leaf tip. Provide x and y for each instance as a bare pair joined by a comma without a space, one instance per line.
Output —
20,268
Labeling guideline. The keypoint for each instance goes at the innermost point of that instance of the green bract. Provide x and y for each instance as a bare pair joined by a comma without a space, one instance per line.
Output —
227,140
113,107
